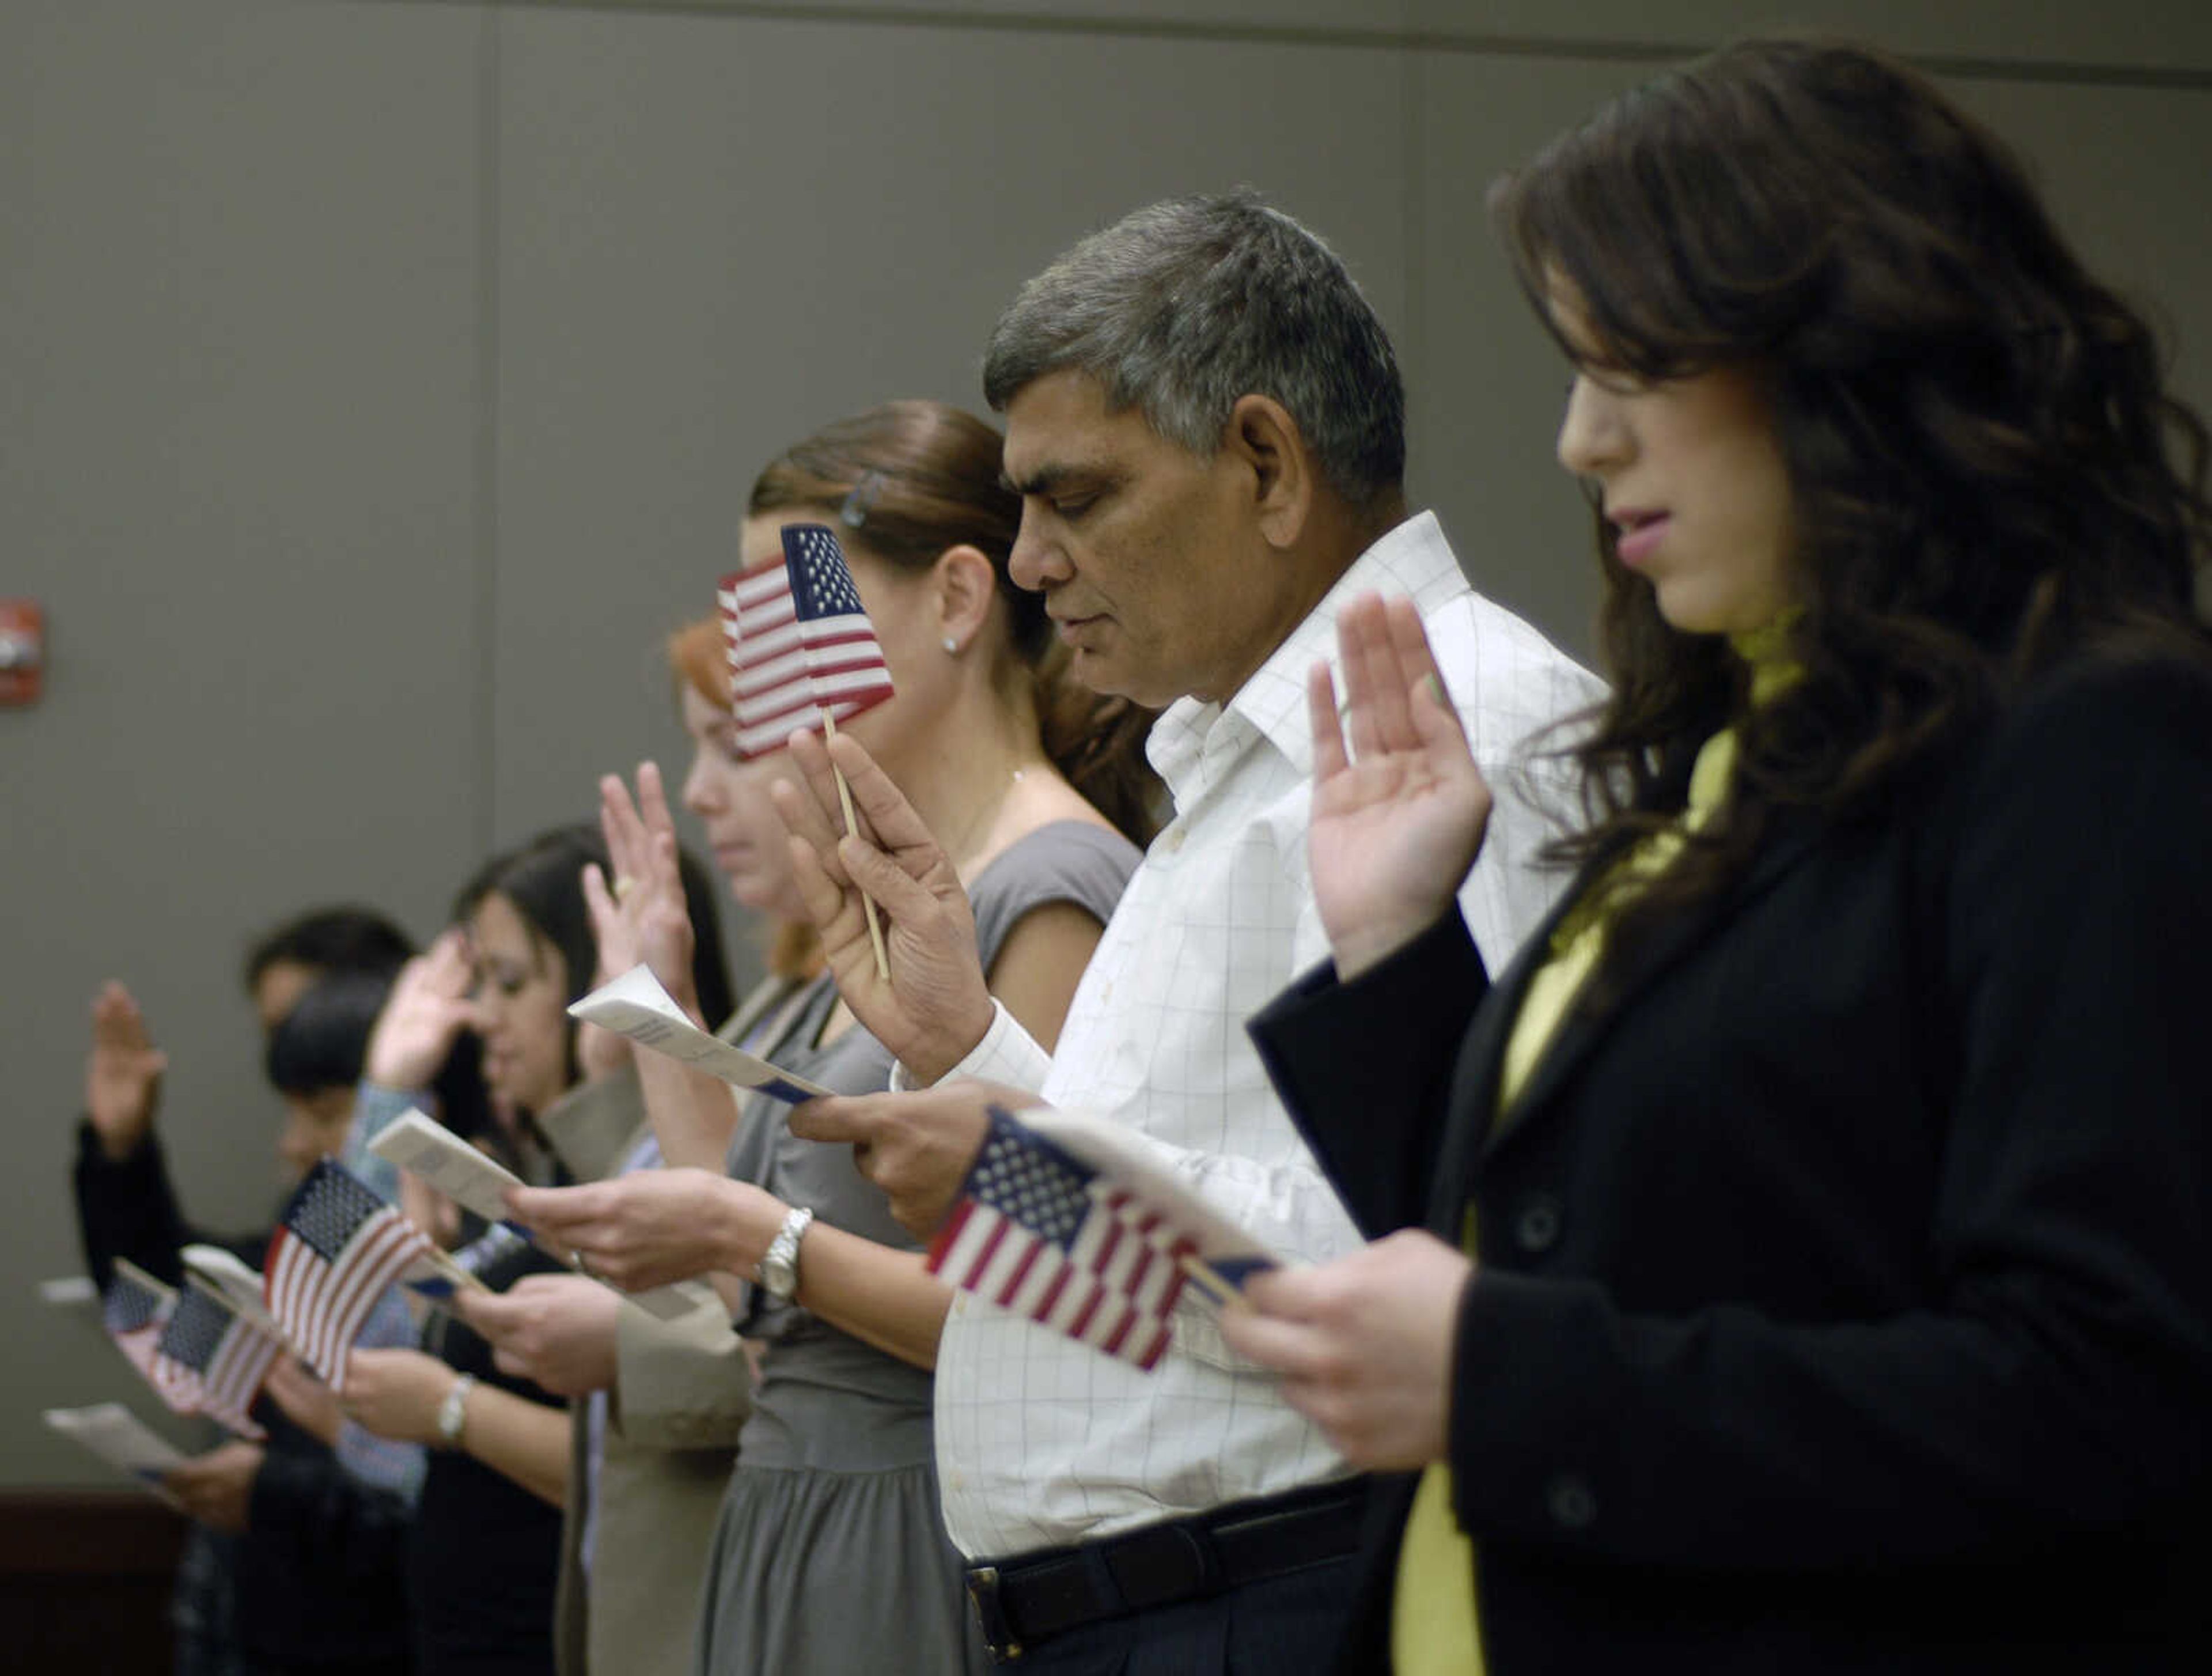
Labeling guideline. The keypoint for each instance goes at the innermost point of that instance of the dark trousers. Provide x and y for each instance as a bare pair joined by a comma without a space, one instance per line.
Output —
1280,1626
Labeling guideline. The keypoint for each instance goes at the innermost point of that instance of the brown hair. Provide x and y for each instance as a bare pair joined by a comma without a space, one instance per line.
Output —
1986,469
697,658
909,480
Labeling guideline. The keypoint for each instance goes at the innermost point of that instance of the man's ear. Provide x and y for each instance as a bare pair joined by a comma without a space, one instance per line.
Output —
963,582
1263,437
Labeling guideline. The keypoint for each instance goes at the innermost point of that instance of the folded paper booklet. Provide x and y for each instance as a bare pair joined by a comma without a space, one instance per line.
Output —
230,1278
634,1005
463,1174
118,1437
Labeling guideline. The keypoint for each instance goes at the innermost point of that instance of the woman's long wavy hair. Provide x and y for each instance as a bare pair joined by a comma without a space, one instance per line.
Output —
1987,470
906,481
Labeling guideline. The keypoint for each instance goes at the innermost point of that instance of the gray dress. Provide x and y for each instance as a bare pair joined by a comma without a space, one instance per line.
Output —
830,1555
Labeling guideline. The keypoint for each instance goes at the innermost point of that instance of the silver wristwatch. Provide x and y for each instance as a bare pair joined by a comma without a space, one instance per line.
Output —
778,1273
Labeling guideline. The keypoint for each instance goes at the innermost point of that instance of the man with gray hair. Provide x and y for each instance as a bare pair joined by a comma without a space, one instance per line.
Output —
1205,423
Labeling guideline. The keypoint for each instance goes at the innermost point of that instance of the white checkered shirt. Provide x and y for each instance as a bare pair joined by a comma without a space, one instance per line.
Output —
1041,1442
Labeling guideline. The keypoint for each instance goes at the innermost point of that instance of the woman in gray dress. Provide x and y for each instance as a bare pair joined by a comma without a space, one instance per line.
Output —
831,1554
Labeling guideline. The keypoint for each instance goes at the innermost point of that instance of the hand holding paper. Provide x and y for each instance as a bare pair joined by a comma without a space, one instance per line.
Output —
636,1005
118,1437
917,1147
455,1168
652,1228
1364,1345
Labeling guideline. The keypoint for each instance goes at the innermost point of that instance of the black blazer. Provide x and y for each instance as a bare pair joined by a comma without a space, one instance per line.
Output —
1843,1296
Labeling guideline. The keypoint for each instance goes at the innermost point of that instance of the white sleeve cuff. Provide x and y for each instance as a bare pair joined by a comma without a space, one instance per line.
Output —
1006,1054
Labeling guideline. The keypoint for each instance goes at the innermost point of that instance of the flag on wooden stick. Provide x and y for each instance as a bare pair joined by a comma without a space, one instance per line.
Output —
800,647
211,1359
1040,1232
803,654
335,1249
134,1310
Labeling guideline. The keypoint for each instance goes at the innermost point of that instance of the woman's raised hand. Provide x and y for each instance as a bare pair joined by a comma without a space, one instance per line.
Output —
1398,817
640,913
426,1010
934,1008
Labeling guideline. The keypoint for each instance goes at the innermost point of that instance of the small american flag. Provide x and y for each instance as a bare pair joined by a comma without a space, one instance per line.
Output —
211,1361
798,642
134,1310
335,1249
1043,1235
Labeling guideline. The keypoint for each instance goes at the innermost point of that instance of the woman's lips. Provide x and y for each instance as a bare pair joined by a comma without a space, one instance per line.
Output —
1640,535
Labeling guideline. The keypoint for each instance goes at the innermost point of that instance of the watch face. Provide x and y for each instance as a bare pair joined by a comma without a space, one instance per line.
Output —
777,1276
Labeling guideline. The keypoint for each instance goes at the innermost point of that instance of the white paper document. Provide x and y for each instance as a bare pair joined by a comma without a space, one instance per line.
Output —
436,1156
118,1437
441,1158
634,1005
225,1275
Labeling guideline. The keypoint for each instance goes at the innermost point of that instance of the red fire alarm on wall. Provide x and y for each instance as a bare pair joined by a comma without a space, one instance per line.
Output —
23,650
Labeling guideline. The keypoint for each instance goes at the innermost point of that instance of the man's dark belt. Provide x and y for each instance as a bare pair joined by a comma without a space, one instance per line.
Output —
1030,1599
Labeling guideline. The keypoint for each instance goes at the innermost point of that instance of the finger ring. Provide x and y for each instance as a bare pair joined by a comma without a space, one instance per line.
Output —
624,884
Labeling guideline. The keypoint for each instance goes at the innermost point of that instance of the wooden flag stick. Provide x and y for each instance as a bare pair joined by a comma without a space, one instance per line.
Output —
1207,1281
852,830
454,1271
131,1270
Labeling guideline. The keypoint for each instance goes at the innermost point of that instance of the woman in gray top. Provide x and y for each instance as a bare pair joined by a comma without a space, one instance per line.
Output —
830,1555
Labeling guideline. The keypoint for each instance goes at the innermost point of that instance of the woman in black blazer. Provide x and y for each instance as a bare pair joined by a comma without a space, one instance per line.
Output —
1818,1263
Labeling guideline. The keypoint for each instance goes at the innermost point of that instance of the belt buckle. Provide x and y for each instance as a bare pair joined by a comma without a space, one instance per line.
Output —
991,1613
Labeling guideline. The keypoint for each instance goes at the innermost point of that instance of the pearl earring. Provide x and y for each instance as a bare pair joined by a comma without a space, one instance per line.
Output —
952,645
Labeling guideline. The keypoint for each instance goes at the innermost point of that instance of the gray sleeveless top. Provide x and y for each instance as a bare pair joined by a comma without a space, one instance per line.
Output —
826,1399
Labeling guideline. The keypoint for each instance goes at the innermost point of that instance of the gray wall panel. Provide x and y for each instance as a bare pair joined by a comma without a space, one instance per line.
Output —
2153,36
1485,399
718,233
238,316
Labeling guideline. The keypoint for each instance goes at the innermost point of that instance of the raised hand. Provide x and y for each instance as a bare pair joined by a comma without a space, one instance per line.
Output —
640,914
122,1074
934,1008
1397,818
654,1227
1364,1345
428,1008
917,1147
556,1331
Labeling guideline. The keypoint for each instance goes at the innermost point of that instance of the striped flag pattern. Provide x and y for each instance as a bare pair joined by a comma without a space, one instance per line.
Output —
211,1361
1039,1232
798,642
134,1312
335,1249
